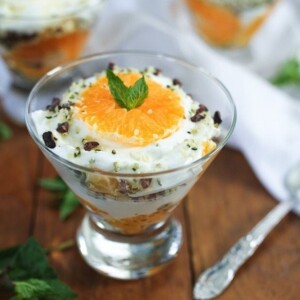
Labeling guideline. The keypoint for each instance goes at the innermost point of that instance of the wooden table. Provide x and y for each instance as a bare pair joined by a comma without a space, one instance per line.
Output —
226,203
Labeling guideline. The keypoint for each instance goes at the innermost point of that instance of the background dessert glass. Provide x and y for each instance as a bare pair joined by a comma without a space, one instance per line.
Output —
128,231
229,23
31,44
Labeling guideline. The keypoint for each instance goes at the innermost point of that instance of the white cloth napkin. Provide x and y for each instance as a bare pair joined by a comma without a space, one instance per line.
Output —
268,126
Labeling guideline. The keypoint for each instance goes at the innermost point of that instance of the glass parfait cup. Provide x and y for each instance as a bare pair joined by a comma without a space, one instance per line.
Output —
32,44
229,24
128,231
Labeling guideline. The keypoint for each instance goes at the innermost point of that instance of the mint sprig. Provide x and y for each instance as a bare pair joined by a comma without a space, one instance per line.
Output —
25,270
69,201
5,131
127,97
289,73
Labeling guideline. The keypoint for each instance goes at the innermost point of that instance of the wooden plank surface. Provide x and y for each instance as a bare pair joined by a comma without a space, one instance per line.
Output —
226,203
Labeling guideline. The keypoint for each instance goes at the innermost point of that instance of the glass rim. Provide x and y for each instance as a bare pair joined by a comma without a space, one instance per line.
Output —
64,67
30,19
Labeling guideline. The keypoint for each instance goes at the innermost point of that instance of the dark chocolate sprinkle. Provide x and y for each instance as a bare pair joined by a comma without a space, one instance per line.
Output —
55,103
49,139
156,71
124,186
177,82
12,38
145,182
197,117
217,118
202,108
66,106
111,65
88,146
62,127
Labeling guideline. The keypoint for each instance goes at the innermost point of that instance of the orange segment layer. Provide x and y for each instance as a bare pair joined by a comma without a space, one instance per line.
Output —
157,118
218,24
221,26
33,59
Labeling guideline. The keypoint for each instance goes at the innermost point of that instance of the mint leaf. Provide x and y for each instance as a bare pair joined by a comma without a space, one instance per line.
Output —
53,184
137,93
30,261
117,88
59,290
5,131
288,74
26,272
61,247
6,257
69,203
35,289
31,289
127,97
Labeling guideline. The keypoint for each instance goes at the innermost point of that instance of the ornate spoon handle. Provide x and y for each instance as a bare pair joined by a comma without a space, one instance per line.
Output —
214,280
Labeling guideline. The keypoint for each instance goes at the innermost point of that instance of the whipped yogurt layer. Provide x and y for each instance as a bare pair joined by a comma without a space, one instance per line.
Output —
36,15
62,129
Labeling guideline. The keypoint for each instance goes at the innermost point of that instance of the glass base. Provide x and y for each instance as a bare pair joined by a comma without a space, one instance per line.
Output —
128,256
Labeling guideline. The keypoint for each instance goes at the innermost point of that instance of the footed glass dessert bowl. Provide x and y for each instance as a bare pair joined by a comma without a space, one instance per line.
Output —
36,36
130,133
229,24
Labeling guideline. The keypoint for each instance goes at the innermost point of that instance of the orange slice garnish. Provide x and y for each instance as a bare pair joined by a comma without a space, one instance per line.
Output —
157,118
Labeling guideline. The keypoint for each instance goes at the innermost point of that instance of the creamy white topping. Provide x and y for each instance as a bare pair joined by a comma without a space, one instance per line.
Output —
182,147
35,15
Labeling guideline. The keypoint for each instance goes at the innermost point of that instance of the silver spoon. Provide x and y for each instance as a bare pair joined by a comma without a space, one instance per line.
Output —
214,280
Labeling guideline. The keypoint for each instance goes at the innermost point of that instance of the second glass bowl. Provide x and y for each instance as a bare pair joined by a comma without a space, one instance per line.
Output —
37,36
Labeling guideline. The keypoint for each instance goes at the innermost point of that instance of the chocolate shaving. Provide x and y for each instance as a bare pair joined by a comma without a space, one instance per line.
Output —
49,139
124,186
12,38
66,106
156,71
55,103
202,108
198,115
177,82
111,66
217,118
88,146
62,127
145,182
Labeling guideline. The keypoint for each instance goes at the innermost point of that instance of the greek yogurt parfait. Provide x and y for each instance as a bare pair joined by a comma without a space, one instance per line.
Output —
130,140
229,23
36,36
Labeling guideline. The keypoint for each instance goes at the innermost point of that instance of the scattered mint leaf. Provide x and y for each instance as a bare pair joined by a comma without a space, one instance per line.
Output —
31,289
25,270
53,184
35,289
69,203
6,257
288,74
5,131
30,261
127,97
61,246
